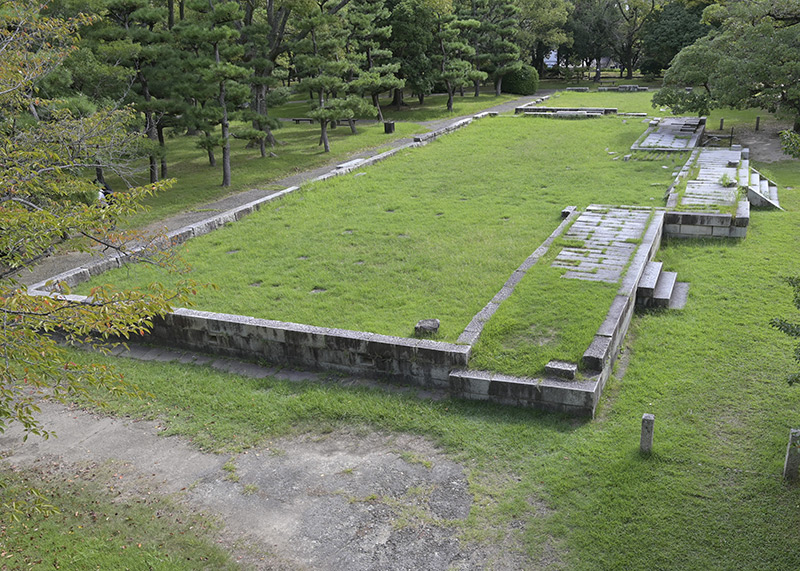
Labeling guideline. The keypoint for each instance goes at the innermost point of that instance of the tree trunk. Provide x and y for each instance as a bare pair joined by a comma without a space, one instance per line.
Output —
498,86
397,98
160,131
212,158
376,102
226,143
324,136
477,84
450,93
421,98
170,14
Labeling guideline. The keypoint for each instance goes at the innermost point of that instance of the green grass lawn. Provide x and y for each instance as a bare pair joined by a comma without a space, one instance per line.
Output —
710,496
433,232
97,528
198,183
578,494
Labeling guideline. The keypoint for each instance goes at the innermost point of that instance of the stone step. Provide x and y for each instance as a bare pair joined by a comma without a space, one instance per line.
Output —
664,288
649,279
680,294
755,179
765,187
773,193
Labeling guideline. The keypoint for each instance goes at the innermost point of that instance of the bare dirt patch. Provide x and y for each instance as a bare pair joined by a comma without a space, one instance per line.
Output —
356,499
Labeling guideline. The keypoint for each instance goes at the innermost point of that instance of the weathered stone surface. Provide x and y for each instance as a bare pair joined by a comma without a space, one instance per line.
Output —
426,327
646,440
791,466
562,369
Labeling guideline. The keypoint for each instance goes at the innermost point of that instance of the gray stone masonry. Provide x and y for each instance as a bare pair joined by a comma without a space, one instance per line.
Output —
562,369
646,440
671,134
609,237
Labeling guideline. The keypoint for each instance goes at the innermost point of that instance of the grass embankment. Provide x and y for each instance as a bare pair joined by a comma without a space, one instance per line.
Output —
99,528
709,497
434,232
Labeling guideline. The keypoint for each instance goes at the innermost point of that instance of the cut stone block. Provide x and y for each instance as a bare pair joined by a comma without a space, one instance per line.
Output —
426,327
562,369
647,284
680,295
664,287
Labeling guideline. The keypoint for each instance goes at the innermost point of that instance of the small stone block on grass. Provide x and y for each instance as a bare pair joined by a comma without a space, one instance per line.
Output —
646,441
791,466
568,210
561,369
426,327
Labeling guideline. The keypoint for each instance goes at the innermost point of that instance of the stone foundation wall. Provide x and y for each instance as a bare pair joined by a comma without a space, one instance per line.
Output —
418,362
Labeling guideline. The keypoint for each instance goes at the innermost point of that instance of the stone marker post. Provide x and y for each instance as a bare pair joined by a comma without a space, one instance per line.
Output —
646,443
792,463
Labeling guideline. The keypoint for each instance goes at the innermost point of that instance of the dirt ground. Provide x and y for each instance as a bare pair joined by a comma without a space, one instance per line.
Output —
355,500
764,144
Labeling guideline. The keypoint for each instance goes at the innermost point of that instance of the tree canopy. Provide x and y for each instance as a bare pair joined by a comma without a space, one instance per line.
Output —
749,59
48,154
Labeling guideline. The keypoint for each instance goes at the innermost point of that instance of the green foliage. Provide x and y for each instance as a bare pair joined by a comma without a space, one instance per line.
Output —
524,81
43,190
750,60
790,141
668,30
791,328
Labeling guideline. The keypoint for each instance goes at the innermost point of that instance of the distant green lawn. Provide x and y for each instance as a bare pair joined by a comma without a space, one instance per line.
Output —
298,150
434,106
432,232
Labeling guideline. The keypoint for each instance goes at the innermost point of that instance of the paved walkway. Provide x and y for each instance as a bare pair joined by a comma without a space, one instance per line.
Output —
68,260
707,189
671,134
610,236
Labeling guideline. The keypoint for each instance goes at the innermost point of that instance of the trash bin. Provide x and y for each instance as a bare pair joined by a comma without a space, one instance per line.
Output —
388,127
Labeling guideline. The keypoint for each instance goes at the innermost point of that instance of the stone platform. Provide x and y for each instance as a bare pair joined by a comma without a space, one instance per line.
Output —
671,134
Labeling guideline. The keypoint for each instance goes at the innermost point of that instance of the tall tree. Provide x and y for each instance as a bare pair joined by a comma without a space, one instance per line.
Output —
322,63
542,28
368,24
628,33
667,31
411,44
748,60
212,37
452,56
592,26
500,32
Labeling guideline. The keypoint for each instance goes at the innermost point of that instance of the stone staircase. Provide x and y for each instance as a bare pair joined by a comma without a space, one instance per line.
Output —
761,192
658,288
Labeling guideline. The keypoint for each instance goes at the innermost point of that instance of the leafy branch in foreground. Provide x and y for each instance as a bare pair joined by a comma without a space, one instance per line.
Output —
791,328
47,196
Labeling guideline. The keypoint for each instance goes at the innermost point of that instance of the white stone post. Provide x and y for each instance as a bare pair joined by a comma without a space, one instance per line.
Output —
646,443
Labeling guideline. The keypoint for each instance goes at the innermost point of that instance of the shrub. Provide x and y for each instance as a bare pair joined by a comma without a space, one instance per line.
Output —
525,81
